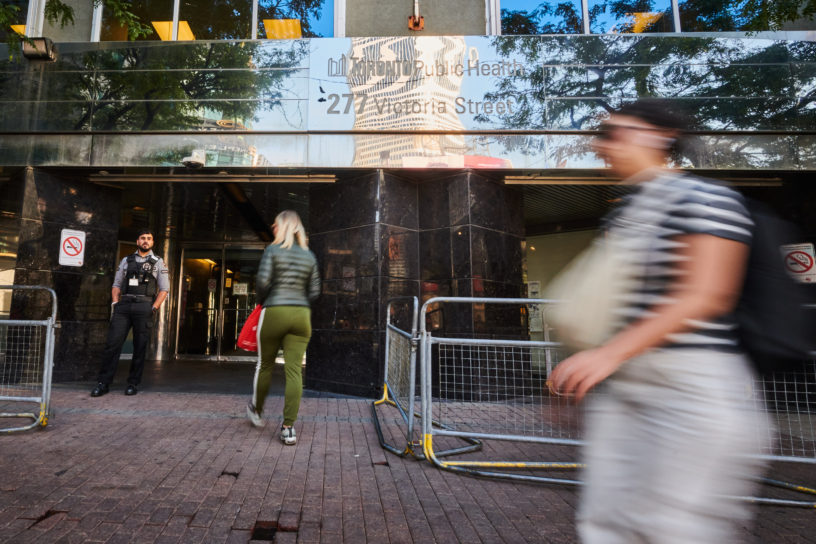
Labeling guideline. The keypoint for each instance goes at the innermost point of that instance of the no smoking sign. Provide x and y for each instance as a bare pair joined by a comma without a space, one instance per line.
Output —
72,247
799,262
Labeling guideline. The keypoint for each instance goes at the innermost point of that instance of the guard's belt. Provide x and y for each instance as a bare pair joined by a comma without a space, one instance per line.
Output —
135,298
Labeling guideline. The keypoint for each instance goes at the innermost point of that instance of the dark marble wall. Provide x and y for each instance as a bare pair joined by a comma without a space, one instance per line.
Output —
364,233
49,204
381,235
471,234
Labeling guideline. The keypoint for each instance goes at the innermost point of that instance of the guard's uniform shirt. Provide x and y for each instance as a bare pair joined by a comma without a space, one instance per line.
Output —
139,280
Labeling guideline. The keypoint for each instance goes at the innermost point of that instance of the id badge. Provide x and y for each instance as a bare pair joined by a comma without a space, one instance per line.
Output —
133,282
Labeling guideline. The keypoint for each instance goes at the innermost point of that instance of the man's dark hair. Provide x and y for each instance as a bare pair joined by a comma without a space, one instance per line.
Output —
145,231
658,112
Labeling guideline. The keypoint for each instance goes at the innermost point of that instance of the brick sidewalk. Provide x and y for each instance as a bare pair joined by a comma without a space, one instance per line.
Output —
180,467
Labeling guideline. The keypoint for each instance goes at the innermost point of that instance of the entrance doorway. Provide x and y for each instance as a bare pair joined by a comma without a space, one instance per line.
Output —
216,295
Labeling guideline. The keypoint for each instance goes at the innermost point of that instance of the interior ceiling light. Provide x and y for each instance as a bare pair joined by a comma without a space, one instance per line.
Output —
566,180
220,178
282,29
558,180
165,31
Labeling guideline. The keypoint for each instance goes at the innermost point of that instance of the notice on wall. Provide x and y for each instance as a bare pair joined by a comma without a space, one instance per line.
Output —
239,288
72,248
536,314
799,262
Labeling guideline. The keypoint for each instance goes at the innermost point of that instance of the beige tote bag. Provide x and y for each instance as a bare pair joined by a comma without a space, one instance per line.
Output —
590,290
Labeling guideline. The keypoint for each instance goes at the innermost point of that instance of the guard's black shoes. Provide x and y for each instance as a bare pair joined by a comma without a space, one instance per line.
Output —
99,390
131,390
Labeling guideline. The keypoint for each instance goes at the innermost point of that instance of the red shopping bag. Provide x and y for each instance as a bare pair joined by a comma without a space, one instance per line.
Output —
248,339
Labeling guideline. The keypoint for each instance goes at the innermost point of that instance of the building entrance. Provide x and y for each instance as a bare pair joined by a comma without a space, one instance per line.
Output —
216,295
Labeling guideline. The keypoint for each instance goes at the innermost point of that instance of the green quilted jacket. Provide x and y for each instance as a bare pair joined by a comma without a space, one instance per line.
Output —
287,277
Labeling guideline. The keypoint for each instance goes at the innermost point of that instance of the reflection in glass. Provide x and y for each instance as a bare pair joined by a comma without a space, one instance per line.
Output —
217,19
719,16
18,10
149,12
79,30
287,19
536,17
635,16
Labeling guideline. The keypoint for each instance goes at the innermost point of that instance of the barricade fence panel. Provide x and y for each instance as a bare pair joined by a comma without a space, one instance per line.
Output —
26,358
496,390
500,390
399,377
790,399
399,368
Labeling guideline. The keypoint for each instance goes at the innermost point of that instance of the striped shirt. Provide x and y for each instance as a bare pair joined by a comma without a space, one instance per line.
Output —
647,227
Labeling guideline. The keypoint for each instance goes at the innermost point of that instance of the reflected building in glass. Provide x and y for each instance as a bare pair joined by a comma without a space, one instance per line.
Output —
449,161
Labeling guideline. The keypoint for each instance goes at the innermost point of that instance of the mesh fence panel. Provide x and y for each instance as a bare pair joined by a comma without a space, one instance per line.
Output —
791,402
399,369
500,390
21,360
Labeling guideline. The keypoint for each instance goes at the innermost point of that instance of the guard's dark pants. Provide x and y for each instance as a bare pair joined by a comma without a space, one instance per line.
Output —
138,315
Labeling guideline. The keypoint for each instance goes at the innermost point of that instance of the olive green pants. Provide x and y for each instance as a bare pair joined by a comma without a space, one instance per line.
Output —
290,327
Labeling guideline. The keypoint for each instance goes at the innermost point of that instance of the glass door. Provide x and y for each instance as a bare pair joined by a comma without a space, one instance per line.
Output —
240,269
216,295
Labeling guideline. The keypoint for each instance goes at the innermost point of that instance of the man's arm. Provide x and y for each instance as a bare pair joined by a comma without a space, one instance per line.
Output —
115,292
159,300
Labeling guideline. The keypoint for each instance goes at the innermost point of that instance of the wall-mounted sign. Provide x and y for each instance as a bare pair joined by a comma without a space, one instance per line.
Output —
799,262
239,288
72,248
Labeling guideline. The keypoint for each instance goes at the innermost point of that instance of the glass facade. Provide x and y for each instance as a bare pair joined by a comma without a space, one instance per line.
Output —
227,20
534,17
636,17
295,19
300,103
17,11
215,20
155,15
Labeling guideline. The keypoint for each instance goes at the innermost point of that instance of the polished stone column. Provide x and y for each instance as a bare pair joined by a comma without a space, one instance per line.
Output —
379,235
49,204
471,234
364,234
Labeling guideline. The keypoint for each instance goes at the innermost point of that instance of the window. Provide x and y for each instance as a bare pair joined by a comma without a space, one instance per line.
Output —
289,19
156,14
639,16
215,20
536,17
18,10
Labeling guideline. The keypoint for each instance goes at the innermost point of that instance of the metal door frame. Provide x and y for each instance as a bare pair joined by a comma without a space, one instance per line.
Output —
219,328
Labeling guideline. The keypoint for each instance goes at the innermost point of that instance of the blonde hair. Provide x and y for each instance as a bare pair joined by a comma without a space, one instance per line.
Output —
289,228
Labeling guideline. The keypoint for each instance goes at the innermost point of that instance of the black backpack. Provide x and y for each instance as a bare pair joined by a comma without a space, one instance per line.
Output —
776,329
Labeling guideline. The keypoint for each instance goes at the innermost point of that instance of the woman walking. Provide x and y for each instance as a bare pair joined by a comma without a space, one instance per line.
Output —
288,281
674,431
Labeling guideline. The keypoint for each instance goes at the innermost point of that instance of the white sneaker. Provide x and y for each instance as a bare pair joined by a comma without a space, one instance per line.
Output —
287,436
254,416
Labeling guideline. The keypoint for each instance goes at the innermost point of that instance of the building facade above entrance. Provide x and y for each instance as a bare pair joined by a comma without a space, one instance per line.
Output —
513,102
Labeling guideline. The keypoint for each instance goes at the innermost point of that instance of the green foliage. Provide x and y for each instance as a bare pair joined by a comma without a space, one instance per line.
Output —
121,11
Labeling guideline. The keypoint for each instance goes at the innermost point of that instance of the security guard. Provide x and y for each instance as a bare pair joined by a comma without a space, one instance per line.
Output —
139,288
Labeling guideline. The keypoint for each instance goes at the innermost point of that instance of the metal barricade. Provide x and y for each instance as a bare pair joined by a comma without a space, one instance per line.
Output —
26,363
399,384
399,379
494,389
